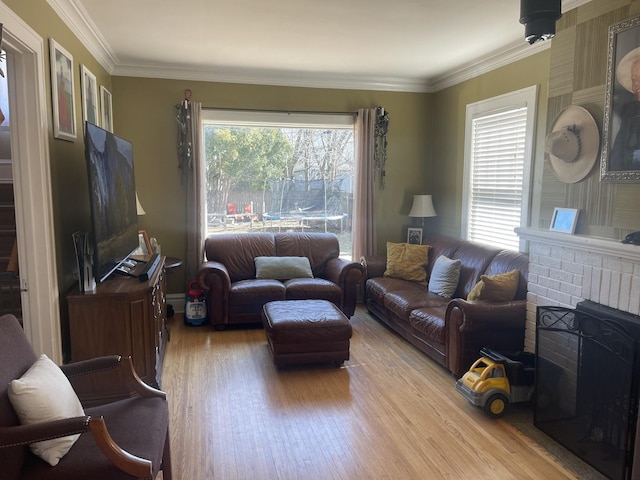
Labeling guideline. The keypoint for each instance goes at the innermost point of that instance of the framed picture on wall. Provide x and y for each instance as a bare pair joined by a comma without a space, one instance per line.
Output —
414,236
89,96
62,88
106,110
620,157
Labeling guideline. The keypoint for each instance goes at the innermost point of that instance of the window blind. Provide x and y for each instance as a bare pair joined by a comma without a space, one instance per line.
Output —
497,174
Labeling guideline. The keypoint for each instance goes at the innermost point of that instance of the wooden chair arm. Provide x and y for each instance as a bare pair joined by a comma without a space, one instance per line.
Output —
91,366
38,432
123,460
106,379
136,384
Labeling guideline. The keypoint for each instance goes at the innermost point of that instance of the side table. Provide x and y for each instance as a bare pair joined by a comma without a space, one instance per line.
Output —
171,264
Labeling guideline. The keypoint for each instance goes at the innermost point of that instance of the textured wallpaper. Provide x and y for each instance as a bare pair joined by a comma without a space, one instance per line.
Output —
578,76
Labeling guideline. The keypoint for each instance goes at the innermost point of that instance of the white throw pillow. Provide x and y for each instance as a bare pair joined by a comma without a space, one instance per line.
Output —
444,276
44,394
283,268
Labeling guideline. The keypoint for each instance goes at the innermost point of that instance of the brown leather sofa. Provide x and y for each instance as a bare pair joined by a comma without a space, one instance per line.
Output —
235,295
451,330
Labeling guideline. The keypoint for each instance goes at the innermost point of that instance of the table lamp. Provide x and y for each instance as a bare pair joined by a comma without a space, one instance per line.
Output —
139,209
422,207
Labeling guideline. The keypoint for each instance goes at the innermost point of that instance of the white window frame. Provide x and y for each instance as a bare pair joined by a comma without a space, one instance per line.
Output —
526,97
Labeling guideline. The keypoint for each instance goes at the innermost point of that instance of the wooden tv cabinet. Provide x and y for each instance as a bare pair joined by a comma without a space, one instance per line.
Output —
124,316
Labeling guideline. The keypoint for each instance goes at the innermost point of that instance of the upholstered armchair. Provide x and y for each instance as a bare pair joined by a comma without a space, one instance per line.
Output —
122,431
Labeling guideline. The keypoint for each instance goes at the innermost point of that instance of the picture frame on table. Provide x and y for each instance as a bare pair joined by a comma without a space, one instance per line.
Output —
106,109
144,242
62,88
414,236
564,220
89,86
620,155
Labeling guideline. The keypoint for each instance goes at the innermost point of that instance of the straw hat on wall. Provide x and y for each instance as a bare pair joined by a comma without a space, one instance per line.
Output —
573,144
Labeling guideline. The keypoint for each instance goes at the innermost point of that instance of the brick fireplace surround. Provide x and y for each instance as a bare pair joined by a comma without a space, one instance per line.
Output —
566,269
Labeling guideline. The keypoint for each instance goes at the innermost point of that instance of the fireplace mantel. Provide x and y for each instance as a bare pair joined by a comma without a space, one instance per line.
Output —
598,245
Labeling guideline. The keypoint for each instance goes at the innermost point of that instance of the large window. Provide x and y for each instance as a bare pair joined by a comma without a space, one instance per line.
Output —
498,156
271,171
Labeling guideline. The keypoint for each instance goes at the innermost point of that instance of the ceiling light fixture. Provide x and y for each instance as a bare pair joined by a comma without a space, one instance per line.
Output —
539,18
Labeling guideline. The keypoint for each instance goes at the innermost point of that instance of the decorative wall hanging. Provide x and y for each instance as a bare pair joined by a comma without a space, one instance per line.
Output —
89,95
185,150
620,159
573,144
62,88
106,109
382,126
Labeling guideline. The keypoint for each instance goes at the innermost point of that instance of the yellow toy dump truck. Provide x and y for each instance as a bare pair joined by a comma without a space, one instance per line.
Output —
497,379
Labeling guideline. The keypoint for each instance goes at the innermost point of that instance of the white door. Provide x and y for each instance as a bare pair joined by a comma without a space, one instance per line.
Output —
30,127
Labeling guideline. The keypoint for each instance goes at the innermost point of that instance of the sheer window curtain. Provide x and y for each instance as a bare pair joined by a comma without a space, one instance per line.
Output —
196,201
364,229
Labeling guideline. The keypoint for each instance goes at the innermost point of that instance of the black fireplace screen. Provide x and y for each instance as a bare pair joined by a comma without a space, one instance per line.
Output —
586,387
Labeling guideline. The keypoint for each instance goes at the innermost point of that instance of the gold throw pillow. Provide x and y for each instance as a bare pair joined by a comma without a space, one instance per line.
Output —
496,288
406,261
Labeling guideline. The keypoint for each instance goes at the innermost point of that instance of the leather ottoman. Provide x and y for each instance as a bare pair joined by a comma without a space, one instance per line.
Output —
306,331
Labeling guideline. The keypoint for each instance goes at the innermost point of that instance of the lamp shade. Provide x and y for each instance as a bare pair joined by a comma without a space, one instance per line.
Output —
422,207
139,209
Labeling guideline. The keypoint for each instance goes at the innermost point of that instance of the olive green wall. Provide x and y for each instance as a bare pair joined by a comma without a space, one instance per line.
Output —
449,129
145,114
69,182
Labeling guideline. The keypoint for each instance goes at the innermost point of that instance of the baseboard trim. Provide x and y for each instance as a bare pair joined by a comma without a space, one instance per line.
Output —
177,300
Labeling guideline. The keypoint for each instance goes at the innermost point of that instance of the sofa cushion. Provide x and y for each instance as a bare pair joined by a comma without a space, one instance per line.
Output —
428,323
44,394
378,287
496,288
319,248
444,276
237,251
256,292
283,268
403,302
407,262
313,289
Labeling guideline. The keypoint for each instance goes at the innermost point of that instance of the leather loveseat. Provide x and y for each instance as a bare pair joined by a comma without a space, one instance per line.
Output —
235,295
451,330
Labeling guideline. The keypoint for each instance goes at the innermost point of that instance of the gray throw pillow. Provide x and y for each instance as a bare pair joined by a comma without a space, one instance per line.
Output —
283,268
444,276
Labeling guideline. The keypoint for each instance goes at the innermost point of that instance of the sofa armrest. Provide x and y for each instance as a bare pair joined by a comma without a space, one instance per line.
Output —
374,266
474,325
348,275
473,316
213,278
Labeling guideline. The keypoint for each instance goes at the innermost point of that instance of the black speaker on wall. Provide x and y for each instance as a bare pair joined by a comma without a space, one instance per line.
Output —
539,18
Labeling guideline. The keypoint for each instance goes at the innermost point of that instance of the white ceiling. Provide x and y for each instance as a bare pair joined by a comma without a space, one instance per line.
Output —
404,45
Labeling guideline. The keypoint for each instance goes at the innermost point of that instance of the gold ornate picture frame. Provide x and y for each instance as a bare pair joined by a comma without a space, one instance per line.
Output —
620,156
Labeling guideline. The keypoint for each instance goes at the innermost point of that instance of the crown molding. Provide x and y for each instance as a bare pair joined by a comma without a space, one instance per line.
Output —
77,19
505,56
275,78
75,16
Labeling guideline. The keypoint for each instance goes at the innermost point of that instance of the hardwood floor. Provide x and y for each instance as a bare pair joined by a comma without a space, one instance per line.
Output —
389,413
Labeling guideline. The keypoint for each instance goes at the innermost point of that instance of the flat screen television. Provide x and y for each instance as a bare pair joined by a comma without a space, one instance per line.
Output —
112,198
